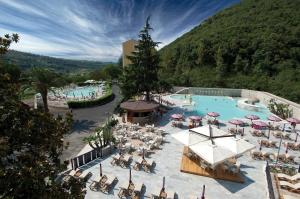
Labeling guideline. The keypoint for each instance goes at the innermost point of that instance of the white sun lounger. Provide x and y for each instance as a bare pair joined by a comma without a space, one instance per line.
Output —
295,177
289,186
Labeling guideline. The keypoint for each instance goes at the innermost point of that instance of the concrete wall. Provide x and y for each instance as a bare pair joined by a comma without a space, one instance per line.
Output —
264,97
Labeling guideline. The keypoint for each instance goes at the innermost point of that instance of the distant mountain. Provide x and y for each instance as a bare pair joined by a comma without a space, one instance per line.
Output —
27,60
254,44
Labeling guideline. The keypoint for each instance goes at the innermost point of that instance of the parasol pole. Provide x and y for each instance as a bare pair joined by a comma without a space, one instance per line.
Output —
203,192
100,170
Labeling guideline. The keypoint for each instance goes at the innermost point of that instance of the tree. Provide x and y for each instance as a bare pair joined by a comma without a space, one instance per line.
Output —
103,136
42,79
30,146
6,41
141,76
280,109
220,67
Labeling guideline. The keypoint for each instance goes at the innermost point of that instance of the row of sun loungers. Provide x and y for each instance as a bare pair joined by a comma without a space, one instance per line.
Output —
257,133
286,158
122,160
125,160
77,174
103,183
132,190
292,179
289,186
279,134
268,143
235,131
163,194
292,145
146,165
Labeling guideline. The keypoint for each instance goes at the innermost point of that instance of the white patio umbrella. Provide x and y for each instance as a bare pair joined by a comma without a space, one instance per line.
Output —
211,153
187,138
237,145
207,130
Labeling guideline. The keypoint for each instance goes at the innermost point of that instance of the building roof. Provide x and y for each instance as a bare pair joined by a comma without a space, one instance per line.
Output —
139,106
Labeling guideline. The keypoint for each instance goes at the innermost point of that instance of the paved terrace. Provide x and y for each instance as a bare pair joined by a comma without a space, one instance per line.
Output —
168,161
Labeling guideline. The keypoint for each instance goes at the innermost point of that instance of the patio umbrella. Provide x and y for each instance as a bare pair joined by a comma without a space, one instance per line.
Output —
203,192
213,114
195,117
100,170
260,123
236,145
211,153
274,118
177,116
236,122
252,117
293,120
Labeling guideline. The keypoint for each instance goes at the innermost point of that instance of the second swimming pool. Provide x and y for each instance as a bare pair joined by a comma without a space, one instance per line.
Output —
225,106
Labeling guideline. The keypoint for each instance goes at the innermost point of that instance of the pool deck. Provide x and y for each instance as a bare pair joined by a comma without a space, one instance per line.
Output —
168,163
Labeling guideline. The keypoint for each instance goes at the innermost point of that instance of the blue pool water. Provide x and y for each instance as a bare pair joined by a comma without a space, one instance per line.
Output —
225,106
83,91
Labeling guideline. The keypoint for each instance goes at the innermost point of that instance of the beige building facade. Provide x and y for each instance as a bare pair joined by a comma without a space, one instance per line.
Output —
128,48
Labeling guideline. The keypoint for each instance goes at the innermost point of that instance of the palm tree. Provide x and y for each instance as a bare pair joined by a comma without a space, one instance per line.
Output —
102,138
43,79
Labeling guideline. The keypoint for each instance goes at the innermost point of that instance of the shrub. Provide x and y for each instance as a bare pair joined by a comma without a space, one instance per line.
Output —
108,97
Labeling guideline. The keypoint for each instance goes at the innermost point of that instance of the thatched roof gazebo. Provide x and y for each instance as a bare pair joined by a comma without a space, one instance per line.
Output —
139,111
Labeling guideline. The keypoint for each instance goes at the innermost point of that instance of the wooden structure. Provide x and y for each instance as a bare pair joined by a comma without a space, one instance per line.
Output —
139,111
189,165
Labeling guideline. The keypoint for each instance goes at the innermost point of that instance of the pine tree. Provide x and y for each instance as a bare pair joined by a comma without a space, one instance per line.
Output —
141,76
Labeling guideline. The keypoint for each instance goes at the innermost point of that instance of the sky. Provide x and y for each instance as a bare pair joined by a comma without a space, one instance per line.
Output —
95,29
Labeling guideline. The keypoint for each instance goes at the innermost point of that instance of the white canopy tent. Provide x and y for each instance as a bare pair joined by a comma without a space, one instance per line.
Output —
211,153
212,144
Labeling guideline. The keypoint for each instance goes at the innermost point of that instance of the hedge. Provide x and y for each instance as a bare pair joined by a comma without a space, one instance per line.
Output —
88,103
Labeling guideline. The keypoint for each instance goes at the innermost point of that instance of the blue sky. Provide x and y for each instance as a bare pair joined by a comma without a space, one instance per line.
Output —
95,29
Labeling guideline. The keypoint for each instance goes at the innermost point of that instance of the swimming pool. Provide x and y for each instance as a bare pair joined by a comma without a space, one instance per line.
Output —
226,106
85,91
79,92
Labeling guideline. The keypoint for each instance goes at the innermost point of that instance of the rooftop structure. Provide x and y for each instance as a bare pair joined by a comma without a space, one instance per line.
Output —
139,111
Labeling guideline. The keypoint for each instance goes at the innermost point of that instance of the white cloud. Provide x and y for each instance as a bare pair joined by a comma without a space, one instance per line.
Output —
22,7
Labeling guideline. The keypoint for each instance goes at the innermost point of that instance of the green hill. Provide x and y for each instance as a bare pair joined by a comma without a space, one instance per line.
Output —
254,44
27,60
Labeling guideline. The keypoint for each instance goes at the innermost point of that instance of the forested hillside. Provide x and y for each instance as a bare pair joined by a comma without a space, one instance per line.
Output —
28,60
254,44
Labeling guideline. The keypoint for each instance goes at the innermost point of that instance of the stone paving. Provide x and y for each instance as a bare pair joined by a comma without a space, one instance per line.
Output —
186,185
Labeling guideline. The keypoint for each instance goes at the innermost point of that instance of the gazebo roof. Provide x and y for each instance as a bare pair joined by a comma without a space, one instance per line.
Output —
139,106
